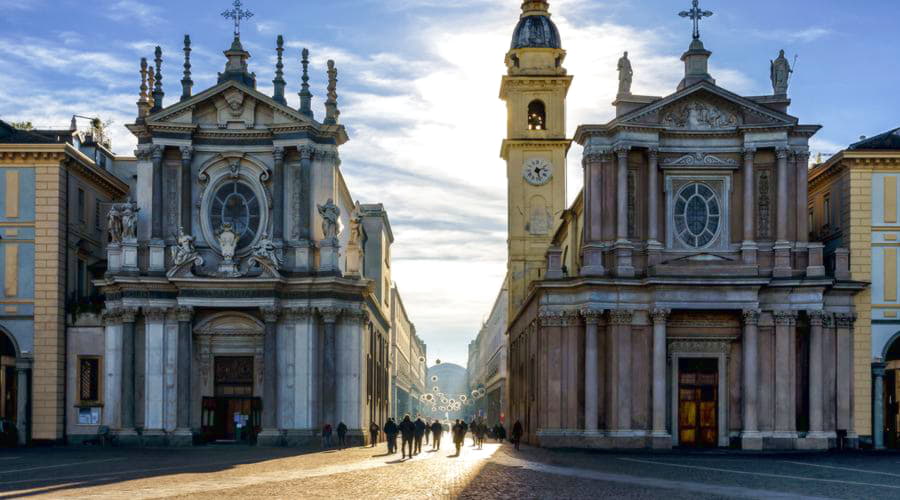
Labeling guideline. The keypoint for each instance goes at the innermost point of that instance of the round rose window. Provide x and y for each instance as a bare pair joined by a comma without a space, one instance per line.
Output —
235,202
697,215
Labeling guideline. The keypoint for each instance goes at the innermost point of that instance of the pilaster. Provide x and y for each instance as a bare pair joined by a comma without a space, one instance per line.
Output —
623,247
751,439
785,366
591,387
782,266
749,247
661,436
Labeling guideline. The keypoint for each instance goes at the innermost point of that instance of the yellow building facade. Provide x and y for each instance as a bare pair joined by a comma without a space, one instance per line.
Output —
854,204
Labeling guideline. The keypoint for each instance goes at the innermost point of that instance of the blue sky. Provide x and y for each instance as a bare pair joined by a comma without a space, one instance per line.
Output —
418,90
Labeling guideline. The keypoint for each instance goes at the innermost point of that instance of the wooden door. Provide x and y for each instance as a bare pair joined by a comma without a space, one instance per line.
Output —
892,408
698,403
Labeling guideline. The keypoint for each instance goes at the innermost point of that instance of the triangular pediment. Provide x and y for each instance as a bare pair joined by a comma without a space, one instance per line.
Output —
230,105
705,107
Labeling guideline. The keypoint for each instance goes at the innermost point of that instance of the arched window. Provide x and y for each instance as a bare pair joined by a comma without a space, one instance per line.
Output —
537,116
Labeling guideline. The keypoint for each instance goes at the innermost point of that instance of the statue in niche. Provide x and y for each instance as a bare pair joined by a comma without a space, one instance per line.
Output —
331,220
129,211
114,224
355,226
780,74
227,242
625,75
183,253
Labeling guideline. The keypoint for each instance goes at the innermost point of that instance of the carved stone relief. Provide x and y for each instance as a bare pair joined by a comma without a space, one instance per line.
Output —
763,206
699,115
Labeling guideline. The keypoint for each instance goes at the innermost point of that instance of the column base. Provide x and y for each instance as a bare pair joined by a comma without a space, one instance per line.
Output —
182,438
814,441
270,437
782,267
329,257
302,257
623,252
815,267
654,252
751,440
749,250
593,261
660,440
157,256
130,257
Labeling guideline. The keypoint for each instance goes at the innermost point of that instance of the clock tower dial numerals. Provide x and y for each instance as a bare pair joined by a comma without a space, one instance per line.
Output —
537,171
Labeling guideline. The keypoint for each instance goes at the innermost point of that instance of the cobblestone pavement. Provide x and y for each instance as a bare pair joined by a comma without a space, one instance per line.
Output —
494,472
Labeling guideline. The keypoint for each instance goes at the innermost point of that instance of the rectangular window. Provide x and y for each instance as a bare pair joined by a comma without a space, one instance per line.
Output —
827,210
890,199
89,379
81,277
81,213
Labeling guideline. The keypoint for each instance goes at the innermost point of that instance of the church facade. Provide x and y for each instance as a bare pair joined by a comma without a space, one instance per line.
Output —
679,300
247,295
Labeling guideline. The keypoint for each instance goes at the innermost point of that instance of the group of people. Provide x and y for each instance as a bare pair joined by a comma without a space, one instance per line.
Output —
412,432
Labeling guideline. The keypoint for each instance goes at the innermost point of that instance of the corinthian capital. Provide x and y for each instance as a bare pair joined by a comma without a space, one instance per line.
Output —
591,315
278,154
816,317
620,316
750,316
785,317
549,317
330,314
270,313
187,152
660,315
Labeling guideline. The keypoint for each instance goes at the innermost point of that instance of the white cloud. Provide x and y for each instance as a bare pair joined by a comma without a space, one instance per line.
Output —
806,35
134,11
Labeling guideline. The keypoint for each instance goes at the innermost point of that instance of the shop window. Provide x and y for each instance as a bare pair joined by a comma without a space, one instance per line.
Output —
89,379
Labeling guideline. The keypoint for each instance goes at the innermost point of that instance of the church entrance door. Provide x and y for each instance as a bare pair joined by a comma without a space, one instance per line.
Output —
892,405
698,402
233,414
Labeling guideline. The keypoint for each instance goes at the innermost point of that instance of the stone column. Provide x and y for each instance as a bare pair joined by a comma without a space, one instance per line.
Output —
329,365
801,159
878,404
128,361
270,375
654,247
593,212
785,422
156,227
844,368
816,381
750,436
187,201
591,390
620,320
300,230
23,376
782,247
659,317
748,246
278,194
154,369
185,358
623,246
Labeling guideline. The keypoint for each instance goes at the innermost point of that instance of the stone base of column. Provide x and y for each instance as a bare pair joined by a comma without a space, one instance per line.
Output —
749,250
815,267
181,438
270,437
157,250
329,257
815,441
113,258
302,438
654,252
623,251
751,440
130,257
782,265
593,261
661,440
302,257
154,437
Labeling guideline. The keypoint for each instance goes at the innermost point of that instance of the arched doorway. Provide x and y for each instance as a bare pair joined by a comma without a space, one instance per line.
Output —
891,398
9,400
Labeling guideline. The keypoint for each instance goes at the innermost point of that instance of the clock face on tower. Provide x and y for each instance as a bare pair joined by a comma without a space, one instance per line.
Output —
537,171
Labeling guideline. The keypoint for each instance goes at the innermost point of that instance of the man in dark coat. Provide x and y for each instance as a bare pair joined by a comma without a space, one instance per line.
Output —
420,433
391,430
459,435
517,432
407,433
427,430
373,433
436,430
342,435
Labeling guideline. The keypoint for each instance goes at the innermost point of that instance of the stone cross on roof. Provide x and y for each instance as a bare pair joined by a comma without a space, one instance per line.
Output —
696,14
237,14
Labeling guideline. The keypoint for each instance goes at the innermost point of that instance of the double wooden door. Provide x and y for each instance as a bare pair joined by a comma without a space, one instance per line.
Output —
698,402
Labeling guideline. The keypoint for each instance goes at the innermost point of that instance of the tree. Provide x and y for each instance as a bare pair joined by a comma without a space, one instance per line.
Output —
22,125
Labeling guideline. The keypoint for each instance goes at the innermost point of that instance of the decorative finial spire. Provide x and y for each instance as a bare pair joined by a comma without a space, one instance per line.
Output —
696,14
305,94
158,93
331,104
151,80
535,8
237,14
143,103
279,73
186,83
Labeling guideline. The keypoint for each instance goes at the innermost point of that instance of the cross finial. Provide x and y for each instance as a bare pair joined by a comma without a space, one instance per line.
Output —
696,14
237,14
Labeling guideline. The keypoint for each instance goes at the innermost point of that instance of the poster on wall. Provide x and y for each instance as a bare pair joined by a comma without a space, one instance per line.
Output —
89,416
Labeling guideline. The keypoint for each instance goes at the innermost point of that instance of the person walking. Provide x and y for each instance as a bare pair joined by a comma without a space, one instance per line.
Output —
501,432
427,430
473,428
407,433
373,433
479,435
436,430
459,435
391,430
342,435
517,432
326,436
419,434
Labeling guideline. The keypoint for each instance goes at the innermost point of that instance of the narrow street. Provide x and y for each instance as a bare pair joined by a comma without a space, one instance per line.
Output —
494,472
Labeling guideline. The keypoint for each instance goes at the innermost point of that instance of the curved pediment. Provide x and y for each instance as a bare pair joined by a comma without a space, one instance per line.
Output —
230,323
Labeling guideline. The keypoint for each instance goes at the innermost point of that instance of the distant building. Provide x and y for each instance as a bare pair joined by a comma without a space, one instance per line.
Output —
450,380
55,188
486,369
408,366
853,203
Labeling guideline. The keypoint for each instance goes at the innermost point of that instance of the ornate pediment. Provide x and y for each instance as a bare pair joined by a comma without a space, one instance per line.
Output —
700,114
230,324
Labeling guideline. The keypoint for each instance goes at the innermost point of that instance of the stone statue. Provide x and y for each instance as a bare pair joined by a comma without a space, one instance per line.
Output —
129,220
265,251
355,226
625,75
227,242
331,220
184,255
114,224
780,74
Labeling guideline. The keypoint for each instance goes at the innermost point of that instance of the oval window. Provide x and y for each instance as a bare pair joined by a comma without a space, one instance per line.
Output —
236,203
697,216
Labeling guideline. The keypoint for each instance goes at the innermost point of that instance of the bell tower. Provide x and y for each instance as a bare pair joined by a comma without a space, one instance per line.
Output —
535,89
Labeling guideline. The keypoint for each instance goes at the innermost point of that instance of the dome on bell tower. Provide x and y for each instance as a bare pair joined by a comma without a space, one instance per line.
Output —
535,29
